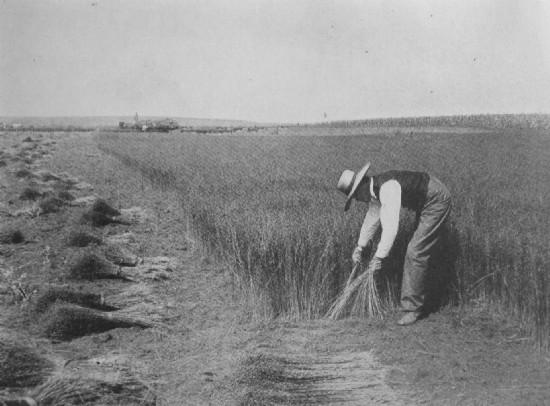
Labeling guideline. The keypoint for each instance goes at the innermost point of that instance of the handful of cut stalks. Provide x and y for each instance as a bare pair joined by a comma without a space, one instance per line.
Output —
54,392
359,298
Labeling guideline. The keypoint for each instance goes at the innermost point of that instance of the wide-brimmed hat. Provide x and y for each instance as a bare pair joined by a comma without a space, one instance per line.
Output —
349,181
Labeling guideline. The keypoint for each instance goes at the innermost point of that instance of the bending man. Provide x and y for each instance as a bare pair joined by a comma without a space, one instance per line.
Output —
385,194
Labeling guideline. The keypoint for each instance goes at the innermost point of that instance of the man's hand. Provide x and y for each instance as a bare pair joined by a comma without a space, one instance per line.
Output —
375,265
357,256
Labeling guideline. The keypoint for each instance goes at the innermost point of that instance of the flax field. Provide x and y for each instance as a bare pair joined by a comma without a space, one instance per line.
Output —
267,206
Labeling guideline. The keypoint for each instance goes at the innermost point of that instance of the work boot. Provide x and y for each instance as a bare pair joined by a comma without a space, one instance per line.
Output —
409,318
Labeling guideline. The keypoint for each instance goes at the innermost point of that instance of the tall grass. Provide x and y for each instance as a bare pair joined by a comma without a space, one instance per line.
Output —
268,206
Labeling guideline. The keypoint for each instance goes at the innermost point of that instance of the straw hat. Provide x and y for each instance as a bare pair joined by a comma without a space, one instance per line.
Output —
349,181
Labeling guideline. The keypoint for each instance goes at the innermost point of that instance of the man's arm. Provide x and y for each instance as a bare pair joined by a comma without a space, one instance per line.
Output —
390,205
370,224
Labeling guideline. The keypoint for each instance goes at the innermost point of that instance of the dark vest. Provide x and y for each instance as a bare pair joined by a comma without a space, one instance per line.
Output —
414,187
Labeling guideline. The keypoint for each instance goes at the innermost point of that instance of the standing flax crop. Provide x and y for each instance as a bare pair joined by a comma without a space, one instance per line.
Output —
290,179
360,295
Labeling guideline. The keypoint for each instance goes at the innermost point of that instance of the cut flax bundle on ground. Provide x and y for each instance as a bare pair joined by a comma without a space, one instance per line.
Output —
101,206
82,238
59,185
360,297
21,366
54,295
82,186
83,201
98,219
133,215
65,196
90,266
46,176
30,193
120,255
11,236
134,294
151,268
67,321
127,238
101,214
50,205
58,391
23,173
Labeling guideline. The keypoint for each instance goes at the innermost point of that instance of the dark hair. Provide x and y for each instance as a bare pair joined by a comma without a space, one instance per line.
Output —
364,181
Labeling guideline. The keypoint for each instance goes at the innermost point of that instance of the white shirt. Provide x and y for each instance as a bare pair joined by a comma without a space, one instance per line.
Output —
383,211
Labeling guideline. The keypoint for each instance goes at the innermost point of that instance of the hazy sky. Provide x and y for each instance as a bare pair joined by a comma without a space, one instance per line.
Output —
274,60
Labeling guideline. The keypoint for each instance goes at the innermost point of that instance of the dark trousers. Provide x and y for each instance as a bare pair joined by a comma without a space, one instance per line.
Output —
426,236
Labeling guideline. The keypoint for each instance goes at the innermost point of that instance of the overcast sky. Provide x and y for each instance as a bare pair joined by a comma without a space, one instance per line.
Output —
274,60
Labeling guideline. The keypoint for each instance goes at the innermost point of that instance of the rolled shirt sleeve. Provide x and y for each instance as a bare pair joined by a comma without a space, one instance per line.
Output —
370,224
390,205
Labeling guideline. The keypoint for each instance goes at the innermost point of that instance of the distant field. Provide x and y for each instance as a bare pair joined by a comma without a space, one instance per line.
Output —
269,207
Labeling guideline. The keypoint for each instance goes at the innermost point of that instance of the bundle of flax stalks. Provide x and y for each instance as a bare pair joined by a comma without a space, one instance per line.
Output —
360,296
21,366
65,321
62,391
57,391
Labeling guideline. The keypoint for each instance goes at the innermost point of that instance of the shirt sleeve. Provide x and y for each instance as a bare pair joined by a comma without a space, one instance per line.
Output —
390,205
370,224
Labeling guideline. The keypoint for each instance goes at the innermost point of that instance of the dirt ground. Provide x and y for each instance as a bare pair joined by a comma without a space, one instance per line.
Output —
204,348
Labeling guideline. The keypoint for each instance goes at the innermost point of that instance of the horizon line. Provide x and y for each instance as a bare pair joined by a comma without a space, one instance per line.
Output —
279,122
